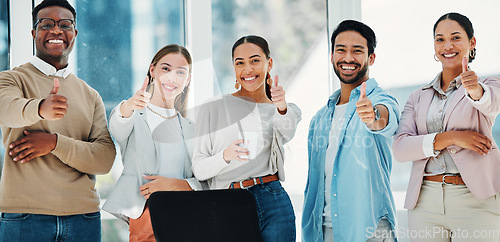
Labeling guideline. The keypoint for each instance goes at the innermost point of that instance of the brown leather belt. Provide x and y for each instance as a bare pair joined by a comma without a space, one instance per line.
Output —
253,181
446,179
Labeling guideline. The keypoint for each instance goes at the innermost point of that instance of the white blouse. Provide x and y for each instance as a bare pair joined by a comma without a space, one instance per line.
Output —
221,121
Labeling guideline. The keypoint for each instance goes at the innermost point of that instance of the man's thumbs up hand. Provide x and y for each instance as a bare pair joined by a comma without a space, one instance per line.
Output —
54,106
364,106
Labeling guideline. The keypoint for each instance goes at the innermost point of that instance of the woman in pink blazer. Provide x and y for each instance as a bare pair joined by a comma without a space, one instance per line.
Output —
446,130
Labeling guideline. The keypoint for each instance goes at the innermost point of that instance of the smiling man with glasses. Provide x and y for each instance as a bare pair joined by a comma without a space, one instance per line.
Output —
48,24
55,132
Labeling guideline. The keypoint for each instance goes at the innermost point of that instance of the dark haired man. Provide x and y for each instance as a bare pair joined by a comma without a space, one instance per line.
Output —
55,131
348,194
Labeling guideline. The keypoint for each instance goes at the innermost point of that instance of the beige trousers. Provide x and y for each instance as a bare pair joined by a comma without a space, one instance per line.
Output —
452,213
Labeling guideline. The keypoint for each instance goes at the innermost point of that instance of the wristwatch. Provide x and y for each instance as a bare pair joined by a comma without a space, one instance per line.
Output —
377,114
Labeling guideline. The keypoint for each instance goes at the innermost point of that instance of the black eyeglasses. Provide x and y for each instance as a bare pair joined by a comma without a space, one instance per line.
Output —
48,24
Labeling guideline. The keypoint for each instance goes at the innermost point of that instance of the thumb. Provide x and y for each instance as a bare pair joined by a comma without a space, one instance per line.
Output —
465,61
362,91
145,84
55,88
276,80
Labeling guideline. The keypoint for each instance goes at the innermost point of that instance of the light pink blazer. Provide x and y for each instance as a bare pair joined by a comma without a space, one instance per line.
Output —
480,173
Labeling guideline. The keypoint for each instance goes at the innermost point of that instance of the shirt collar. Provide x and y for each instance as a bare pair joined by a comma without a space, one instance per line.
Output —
48,69
436,83
334,98
370,85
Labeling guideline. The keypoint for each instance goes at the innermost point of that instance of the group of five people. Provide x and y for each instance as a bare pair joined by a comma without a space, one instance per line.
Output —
54,126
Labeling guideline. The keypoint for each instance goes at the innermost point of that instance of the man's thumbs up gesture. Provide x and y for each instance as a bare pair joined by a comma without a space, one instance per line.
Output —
364,106
54,106
366,111
470,81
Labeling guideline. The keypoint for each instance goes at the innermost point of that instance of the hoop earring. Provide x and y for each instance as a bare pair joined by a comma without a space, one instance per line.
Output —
435,58
237,85
472,53
268,79
151,87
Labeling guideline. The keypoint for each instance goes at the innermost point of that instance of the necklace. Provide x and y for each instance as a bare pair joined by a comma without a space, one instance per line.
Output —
161,115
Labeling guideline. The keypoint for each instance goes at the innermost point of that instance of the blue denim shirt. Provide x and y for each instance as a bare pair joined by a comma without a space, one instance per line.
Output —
361,171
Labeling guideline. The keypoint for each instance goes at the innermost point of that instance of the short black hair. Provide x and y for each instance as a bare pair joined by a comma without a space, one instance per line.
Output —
363,29
48,3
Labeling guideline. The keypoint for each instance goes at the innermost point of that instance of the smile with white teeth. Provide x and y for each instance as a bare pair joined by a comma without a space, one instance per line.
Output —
450,55
249,78
349,68
169,88
56,41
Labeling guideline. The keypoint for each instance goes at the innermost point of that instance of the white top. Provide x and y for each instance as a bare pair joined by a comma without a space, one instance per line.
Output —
221,121
48,69
331,152
168,132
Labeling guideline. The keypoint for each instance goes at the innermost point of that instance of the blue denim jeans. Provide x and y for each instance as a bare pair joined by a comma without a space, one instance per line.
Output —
275,212
37,227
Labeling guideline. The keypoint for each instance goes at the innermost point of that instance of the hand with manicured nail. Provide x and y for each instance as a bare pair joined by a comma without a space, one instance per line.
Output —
278,95
54,106
139,101
470,81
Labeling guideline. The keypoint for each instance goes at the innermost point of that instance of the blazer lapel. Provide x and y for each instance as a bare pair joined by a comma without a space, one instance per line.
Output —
142,114
423,109
148,166
459,95
188,134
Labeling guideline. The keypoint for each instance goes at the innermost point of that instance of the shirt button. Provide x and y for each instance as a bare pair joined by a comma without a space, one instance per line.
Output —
334,174
444,97
335,215
442,166
453,151
335,194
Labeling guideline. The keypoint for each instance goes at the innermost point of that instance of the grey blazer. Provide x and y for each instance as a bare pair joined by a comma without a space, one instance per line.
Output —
139,156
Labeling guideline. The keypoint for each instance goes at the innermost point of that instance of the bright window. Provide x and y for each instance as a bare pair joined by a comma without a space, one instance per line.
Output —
4,35
4,51
116,41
